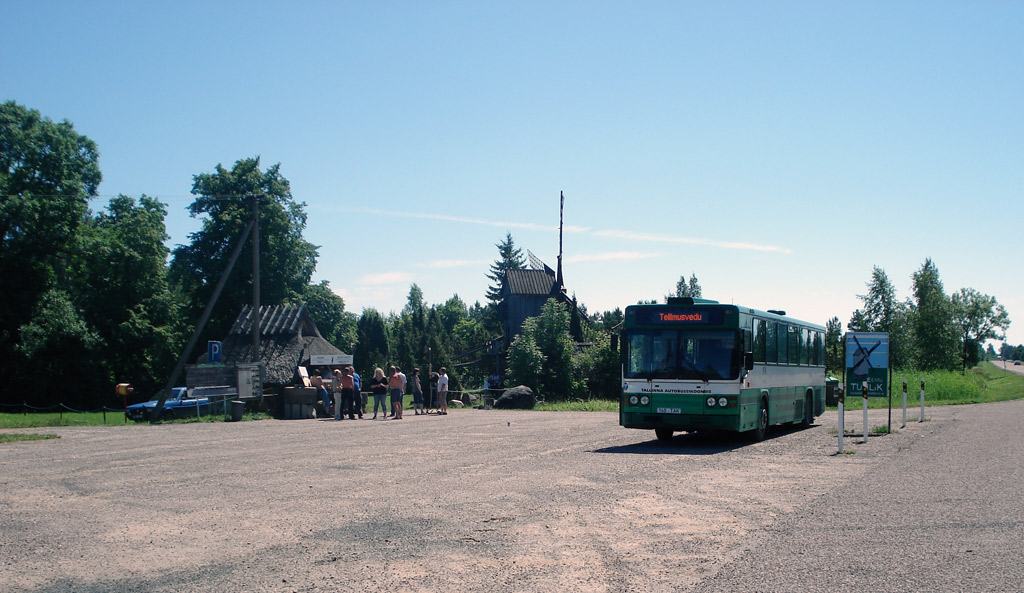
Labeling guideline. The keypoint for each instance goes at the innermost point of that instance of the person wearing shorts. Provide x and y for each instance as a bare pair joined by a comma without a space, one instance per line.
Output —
417,393
395,388
348,394
442,391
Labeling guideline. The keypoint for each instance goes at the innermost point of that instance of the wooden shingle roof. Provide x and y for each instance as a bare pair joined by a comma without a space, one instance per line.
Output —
530,282
288,338
276,321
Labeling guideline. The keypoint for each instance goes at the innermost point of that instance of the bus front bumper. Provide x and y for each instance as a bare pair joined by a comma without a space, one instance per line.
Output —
687,422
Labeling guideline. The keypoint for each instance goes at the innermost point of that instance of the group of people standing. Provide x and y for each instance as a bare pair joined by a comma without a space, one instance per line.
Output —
346,384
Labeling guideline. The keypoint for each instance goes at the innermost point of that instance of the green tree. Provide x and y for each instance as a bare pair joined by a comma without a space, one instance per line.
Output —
48,172
287,260
609,320
559,377
883,313
121,272
834,346
525,360
373,344
935,334
576,318
414,301
327,309
60,348
879,303
510,258
599,366
687,288
978,317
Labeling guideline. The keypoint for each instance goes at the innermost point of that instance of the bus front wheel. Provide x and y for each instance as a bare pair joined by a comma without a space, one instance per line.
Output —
663,434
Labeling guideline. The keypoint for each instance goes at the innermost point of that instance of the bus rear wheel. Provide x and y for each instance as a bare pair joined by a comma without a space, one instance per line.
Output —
762,421
663,434
808,411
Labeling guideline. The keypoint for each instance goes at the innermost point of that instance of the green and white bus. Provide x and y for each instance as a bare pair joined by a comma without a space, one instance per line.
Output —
698,365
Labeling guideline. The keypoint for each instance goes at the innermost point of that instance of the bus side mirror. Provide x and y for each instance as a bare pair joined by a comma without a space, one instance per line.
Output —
615,342
748,361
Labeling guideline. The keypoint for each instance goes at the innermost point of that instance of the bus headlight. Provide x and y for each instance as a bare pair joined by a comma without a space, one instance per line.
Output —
644,400
723,402
634,400
711,402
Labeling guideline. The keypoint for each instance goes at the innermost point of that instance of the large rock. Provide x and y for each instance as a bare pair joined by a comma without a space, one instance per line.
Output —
518,398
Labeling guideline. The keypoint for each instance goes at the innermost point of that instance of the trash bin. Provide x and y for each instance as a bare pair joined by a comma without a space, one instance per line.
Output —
830,392
237,410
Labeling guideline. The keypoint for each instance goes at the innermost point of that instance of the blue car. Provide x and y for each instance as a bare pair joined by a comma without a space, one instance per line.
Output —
181,403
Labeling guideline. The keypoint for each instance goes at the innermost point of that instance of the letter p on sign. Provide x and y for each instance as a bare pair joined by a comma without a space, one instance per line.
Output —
213,349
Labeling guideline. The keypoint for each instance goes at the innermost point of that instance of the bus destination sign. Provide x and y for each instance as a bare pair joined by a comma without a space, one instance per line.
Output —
687,316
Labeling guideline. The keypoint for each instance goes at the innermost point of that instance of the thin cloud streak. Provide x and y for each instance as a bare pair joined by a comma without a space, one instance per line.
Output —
615,256
478,221
456,263
609,233
385,278
634,236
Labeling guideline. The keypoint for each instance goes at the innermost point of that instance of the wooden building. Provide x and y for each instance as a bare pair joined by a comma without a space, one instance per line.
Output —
288,339
524,292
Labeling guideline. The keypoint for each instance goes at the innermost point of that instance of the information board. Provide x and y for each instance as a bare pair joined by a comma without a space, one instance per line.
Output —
329,360
867,359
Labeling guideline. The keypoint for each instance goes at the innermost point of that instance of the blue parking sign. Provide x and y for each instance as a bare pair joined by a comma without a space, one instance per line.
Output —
213,349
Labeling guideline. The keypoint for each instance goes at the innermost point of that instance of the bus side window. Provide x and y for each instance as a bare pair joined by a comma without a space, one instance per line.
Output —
819,349
783,343
759,349
805,346
772,342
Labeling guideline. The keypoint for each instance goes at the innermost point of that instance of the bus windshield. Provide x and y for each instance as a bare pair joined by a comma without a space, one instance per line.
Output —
704,355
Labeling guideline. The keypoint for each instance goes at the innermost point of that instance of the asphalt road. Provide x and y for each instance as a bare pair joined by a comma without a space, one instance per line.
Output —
1009,367
501,501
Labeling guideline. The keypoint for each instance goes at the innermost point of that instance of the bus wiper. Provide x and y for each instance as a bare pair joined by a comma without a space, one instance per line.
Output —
711,373
693,367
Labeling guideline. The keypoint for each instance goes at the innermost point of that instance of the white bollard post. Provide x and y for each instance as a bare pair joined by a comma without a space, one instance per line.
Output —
922,401
842,428
904,404
864,389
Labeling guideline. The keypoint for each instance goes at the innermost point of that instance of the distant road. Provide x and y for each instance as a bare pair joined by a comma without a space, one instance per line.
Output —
1009,366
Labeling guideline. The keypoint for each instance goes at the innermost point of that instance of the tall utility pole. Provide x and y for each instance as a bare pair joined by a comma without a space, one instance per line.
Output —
561,207
180,366
255,279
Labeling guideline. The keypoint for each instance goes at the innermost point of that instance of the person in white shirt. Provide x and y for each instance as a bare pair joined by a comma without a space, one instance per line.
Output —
442,390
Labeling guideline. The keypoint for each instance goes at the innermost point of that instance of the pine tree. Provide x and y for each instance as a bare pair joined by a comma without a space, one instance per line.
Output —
511,258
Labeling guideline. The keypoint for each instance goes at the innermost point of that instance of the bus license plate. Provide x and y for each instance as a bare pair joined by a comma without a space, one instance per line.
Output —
670,410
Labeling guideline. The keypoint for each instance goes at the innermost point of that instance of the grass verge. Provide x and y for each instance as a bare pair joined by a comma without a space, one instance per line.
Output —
590,405
8,437
982,384
42,419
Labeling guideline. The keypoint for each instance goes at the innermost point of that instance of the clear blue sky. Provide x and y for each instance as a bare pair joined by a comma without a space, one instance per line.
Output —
778,150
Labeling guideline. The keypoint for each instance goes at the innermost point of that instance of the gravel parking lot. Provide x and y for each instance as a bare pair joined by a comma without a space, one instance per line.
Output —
511,501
